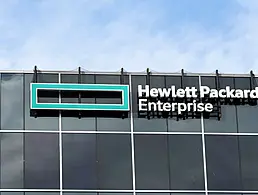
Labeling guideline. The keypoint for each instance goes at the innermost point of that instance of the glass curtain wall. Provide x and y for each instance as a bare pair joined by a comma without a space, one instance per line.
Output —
92,155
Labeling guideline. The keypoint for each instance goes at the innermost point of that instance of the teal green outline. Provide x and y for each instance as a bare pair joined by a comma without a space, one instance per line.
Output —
80,87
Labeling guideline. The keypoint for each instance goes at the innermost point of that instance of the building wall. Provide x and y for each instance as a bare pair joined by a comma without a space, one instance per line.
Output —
124,156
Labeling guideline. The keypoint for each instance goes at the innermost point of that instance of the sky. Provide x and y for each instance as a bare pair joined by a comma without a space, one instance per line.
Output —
106,35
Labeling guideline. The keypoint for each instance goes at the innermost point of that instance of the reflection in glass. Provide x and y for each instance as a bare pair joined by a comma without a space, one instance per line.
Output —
80,193
12,193
11,160
79,161
249,161
187,125
223,167
113,124
152,193
247,119
162,193
41,161
12,101
226,124
41,193
151,162
242,83
96,193
113,193
114,161
224,194
186,162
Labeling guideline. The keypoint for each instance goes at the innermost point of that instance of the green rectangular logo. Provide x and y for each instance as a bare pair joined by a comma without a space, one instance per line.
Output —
124,89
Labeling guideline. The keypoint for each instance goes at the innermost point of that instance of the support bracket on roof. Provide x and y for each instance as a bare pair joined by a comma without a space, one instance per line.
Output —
148,83
122,76
252,81
80,95
35,74
122,82
252,86
182,86
182,78
217,82
35,80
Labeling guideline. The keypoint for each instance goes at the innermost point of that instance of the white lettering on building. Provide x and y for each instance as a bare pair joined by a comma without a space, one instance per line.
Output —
146,93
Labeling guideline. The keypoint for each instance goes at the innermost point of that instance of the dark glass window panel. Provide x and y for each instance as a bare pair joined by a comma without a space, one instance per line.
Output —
227,122
39,123
249,160
186,162
162,193
151,162
112,123
114,193
79,161
42,193
12,193
41,161
154,124
191,193
111,79
191,81
75,123
152,193
96,193
222,158
224,194
12,101
80,193
247,119
157,81
226,81
11,160
173,80
188,125
114,162
143,124
242,83
209,81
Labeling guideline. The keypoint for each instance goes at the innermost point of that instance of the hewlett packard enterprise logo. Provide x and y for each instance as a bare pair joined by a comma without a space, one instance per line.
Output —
159,99
149,99
88,88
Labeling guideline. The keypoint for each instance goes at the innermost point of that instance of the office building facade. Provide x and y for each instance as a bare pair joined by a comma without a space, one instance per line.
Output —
68,150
